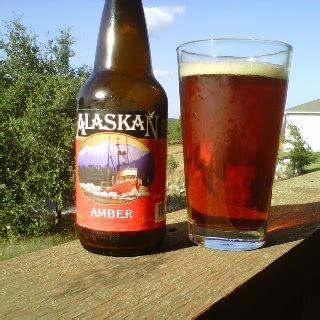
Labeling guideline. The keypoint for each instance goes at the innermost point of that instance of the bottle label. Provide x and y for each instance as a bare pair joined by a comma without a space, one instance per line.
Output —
121,170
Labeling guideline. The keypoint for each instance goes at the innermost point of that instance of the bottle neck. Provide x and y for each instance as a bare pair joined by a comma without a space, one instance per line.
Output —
123,44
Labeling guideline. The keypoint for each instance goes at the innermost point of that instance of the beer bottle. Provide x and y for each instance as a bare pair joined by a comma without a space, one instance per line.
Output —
121,142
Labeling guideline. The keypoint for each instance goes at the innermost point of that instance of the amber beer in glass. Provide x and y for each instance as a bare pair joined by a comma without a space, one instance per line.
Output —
232,96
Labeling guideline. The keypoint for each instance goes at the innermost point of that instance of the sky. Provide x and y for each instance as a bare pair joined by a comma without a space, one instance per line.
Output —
173,22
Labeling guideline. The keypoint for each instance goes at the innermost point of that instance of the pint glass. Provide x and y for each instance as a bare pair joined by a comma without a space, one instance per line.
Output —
232,98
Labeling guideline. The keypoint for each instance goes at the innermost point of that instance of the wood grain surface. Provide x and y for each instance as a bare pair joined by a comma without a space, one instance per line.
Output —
178,282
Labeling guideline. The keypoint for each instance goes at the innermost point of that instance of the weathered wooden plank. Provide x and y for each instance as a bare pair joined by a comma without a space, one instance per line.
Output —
179,282
286,289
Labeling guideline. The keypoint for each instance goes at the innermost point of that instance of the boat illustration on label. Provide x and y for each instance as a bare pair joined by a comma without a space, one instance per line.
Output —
114,168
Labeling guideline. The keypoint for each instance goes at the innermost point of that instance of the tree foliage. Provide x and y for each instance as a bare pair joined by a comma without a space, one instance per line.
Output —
38,89
300,153
174,131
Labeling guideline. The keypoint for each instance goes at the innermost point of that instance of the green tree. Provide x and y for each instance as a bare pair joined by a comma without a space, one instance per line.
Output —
300,153
38,89
174,131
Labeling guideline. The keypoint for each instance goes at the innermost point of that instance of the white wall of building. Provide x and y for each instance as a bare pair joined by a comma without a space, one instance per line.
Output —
309,127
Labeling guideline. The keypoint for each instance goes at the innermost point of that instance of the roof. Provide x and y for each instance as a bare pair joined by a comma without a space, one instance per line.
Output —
309,107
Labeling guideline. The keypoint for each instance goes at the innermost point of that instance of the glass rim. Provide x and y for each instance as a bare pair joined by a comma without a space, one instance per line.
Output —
287,47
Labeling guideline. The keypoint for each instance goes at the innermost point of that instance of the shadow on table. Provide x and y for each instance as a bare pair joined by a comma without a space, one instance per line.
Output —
286,223
176,237
292,222
287,289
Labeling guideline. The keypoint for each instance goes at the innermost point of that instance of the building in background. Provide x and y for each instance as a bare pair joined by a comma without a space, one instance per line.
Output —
307,118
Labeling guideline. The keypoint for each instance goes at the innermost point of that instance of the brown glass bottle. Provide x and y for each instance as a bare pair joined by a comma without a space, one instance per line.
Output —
122,109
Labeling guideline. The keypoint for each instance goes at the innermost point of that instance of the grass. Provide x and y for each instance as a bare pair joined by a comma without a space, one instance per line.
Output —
14,248
175,150
11,249
314,166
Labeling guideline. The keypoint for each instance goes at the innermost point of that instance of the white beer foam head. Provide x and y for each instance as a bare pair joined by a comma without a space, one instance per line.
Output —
233,67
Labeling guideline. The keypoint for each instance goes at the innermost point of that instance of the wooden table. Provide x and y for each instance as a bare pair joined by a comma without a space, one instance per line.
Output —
279,281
